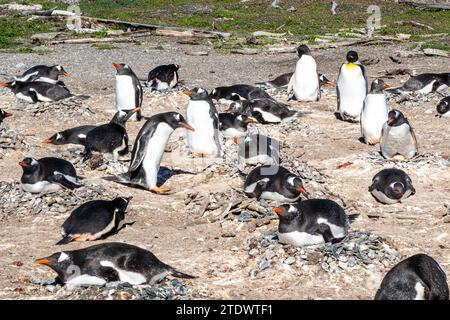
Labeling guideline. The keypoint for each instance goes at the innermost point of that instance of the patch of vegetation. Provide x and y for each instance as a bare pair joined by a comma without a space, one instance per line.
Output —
437,45
104,46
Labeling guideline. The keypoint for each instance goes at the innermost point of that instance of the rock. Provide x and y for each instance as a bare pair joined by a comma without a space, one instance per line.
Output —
43,37
289,260
263,264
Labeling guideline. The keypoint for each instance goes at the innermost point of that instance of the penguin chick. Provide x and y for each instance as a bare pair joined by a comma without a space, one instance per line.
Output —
391,186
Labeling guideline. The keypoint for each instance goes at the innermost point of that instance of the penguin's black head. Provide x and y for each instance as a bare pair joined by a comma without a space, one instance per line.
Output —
294,184
61,262
395,190
29,165
443,106
286,212
303,49
11,84
56,139
323,80
4,114
121,203
378,86
122,68
58,70
352,56
395,118
121,116
176,120
197,94
175,66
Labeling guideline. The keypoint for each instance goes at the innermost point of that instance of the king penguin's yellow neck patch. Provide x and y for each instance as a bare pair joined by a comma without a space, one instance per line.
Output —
350,65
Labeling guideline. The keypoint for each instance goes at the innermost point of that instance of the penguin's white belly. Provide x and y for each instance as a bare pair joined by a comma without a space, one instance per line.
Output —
41,186
420,291
398,140
85,280
375,115
202,139
427,89
386,200
337,231
447,114
267,116
352,91
251,187
233,133
306,80
23,97
124,275
174,81
275,196
300,239
41,97
161,85
154,152
45,79
125,93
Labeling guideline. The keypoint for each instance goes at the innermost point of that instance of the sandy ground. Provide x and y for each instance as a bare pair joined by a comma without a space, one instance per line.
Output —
194,245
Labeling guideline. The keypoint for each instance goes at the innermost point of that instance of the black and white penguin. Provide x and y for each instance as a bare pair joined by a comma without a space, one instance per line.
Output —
351,88
129,92
75,135
423,83
374,113
258,149
108,262
94,220
36,91
418,277
110,139
43,73
443,107
237,92
284,79
3,115
397,137
391,186
234,125
265,111
305,80
148,150
203,116
311,222
272,182
48,175
163,77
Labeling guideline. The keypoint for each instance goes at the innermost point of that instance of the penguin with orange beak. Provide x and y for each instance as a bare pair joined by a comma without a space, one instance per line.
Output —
3,115
43,73
234,125
129,92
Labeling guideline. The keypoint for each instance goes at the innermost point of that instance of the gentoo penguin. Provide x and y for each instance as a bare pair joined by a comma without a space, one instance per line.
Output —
351,88
111,138
163,77
238,92
397,137
3,115
419,277
391,186
75,135
423,83
311,222
108,262
43,73
48,175
36,91
273,183
148,150
284,79
374,113
305,80
203,116
443,107
265,111
234,125
129,92
258,149
94,220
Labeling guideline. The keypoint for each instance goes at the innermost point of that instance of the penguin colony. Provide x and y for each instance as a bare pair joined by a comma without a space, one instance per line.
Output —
302,221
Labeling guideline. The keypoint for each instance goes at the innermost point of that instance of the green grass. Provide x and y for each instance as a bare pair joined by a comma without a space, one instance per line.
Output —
104,46
437,45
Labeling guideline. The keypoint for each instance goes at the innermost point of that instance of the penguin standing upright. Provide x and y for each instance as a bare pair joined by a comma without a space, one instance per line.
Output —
443,107
397,137
129,92
3,115
418,277
374,113
107,262
163,77
305,80
43,73
148,150
391,186
203,116
351,88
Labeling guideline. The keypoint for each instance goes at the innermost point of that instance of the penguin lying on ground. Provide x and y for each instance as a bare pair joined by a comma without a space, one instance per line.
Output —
234,125
374,113
129,94
423,83
419,277
311,222
273,183
238,92
48,175
351,88
94,220
443,107
3,115
265,111
148,150
75,135
42,73
305,80
111,138
258,149
397,137
163,77
391,186
108,262
283,81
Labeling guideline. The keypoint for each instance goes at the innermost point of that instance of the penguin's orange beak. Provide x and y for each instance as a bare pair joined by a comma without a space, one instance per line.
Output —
116,65
66,74
6,114
187,92
43,261
23,164
5,84
390,120
235,140
301,190
47,141
185,125
249,120
386,86
277,210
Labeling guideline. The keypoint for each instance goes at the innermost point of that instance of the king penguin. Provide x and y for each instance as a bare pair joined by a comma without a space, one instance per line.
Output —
351,88
203,116
305,80
129,92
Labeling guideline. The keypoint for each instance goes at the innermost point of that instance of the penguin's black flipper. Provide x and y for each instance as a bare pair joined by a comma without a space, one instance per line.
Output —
326,233
65,240
62,180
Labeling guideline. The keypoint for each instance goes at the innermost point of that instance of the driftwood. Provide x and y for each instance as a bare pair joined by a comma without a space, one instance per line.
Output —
92,40
422,5
435,52
414,23
268,34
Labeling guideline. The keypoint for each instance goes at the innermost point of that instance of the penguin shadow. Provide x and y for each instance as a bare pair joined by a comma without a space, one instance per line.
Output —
112,233
165,174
